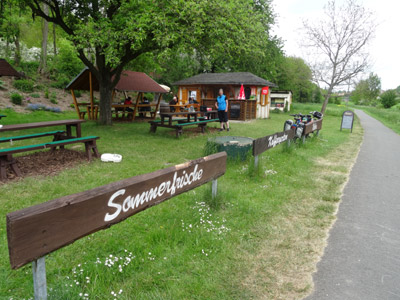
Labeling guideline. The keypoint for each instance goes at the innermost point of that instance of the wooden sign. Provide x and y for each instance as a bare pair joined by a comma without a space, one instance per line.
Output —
347,120
265,90
313,126
263,144
38,230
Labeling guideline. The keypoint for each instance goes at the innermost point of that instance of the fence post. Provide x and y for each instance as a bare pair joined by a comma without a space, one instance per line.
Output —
256,161
39,278
214,188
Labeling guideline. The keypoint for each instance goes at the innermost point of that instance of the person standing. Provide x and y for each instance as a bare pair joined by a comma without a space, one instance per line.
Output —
222,106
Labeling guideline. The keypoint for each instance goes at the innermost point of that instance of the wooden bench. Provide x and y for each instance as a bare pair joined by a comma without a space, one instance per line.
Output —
6,155
179,126
58,134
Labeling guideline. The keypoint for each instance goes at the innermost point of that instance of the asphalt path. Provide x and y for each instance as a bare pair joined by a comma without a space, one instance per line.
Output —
362,258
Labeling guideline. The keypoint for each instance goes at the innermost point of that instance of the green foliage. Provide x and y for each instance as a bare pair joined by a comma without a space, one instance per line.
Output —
388,98
65,66
53,98
16,98
24,85
1,85
295,75
78,94
35,95
46,93
367,90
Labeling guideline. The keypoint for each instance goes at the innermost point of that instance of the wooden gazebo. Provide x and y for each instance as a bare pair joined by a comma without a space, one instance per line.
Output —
130,81
7,70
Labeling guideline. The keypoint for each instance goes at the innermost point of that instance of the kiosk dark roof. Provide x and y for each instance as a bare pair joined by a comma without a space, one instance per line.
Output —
7,70
233,78
129,81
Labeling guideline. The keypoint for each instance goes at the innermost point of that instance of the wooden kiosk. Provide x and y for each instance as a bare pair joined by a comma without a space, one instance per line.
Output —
129,82
204,88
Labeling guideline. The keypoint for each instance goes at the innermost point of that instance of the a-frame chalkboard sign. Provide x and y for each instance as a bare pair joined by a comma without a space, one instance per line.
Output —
347,120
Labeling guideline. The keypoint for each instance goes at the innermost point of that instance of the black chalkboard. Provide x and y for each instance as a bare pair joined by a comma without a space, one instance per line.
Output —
347,120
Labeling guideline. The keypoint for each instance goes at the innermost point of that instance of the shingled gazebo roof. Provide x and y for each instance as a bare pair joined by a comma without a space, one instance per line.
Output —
7,70
129,81
233,78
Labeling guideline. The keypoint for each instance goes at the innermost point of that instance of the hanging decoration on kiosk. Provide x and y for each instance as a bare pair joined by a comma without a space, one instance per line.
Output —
242,96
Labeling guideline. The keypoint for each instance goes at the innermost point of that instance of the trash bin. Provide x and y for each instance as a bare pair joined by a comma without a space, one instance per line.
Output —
235,111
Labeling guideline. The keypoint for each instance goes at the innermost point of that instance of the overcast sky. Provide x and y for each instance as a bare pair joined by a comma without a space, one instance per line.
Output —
384,49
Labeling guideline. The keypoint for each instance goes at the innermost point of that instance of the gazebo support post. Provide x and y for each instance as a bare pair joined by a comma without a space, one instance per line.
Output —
76,104
158,105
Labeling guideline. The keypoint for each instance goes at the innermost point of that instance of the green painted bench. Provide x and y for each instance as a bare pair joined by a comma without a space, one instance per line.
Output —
6,155
57,136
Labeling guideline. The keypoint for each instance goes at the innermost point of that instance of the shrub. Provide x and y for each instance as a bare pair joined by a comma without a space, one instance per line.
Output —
35,95
1,85
46,93
388,98
53,98
24,85
396,107
16,98
78,94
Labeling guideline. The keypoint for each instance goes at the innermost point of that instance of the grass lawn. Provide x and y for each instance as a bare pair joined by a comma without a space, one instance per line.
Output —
389,117
260,239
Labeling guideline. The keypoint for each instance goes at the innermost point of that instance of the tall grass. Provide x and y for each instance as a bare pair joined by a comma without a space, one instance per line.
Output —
389,117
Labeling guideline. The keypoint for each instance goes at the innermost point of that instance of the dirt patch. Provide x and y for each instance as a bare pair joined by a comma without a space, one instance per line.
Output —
64,98
46,163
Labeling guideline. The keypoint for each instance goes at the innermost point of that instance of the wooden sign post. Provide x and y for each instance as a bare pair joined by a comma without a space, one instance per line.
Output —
314,126
347,120
270,141
38,230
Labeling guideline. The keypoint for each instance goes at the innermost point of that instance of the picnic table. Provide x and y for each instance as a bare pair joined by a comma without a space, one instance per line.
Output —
191,118
61,138
67,123
123,109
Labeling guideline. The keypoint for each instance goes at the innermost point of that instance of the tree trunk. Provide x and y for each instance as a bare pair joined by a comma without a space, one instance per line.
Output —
105,100
54,40
325,104
17,54
45,33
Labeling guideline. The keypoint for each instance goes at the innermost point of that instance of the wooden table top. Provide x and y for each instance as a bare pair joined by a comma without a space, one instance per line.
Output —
40,124
167,114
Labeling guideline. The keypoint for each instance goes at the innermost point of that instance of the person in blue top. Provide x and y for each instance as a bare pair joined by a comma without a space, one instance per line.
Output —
222,106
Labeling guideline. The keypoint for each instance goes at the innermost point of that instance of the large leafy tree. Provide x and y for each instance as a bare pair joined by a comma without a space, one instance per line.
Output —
295,75
367,90
118,32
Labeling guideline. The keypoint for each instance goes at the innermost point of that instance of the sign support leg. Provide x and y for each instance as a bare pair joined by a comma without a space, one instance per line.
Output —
256,161
39,279
214,188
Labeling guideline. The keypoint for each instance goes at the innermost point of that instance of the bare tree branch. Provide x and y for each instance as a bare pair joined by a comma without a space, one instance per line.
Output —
339,42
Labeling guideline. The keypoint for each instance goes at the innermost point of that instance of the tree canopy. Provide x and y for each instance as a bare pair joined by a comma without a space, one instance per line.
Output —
367,90
108,35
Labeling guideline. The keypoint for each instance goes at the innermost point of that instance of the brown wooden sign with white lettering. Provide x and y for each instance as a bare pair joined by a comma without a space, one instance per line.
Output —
38,230
313,126
270,141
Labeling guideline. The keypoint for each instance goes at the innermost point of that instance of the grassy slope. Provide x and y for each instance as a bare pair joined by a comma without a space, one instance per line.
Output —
246,250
